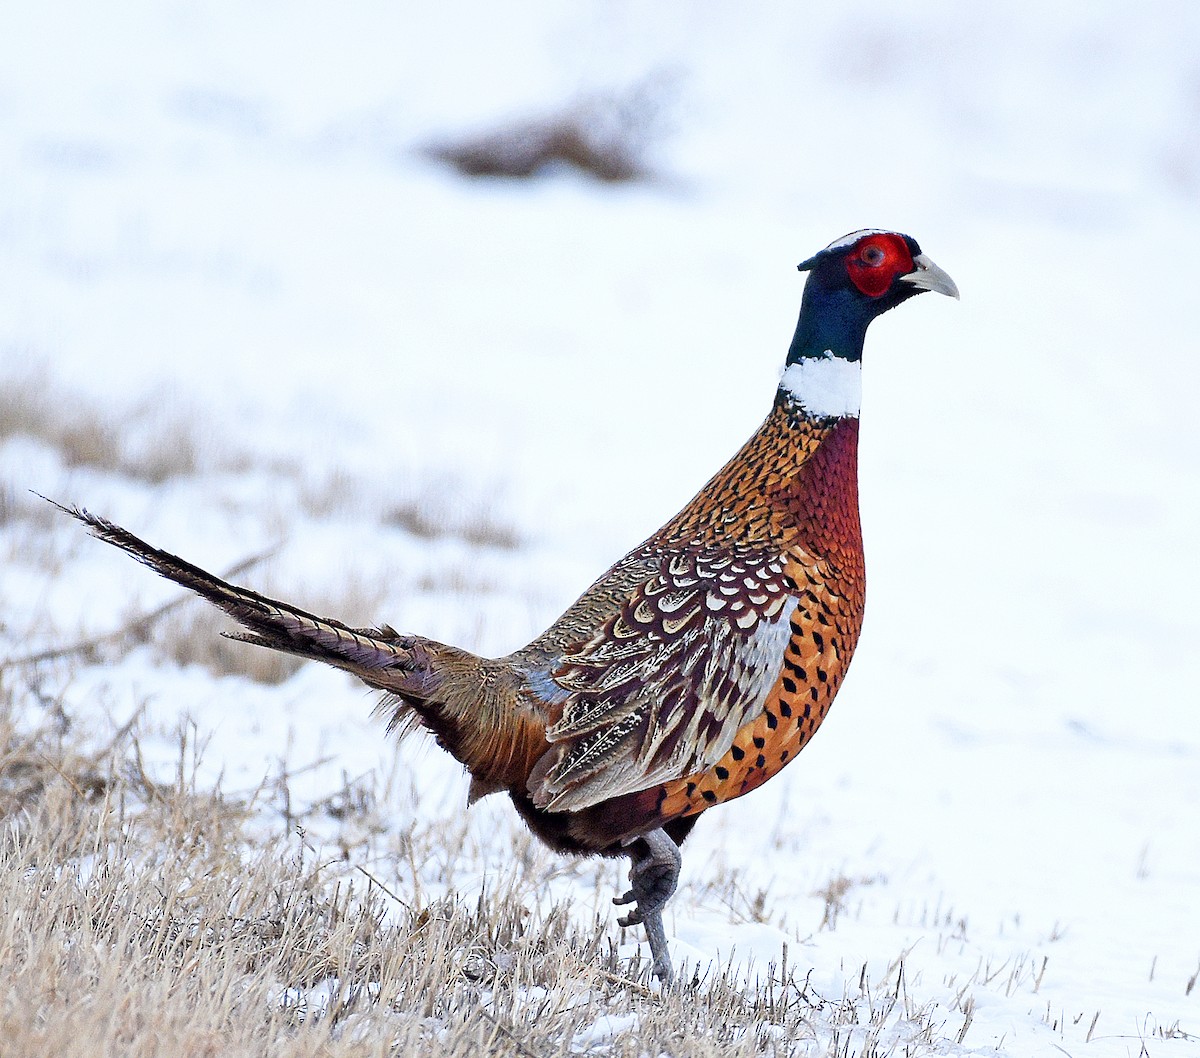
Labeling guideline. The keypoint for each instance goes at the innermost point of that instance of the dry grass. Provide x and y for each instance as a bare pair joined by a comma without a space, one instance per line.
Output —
834,893
430,518
145,919
149,446
87,435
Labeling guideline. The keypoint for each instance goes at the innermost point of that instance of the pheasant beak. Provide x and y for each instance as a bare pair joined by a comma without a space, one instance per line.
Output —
927,276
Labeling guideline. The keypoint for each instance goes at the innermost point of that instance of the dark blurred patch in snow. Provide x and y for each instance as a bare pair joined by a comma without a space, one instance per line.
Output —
607,136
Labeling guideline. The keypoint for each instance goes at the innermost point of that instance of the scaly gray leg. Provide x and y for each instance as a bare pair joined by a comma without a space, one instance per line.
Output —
653,875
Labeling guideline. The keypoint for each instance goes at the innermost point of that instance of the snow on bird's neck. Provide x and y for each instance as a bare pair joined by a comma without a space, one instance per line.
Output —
825,386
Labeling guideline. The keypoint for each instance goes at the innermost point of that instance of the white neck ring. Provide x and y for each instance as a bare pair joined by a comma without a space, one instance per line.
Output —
825,386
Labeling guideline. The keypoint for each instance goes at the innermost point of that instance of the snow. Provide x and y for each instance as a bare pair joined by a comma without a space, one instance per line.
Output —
604,1030
220,215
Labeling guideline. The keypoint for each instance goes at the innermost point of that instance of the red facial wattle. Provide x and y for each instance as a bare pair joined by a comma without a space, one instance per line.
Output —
876,261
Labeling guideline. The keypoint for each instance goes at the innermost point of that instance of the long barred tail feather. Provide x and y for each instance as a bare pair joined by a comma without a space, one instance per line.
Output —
378,656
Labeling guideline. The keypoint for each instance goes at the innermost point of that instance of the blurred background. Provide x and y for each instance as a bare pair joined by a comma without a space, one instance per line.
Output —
458,304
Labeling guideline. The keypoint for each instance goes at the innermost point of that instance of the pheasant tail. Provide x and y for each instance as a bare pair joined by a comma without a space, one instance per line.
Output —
466,701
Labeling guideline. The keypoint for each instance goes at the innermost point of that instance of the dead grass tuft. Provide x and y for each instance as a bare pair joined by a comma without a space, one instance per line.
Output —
166,451
834,893
429,518
9,505
338,492
605,136
43,770
434,509
85,435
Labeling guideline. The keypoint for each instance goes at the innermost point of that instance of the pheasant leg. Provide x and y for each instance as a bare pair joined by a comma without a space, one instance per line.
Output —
653,875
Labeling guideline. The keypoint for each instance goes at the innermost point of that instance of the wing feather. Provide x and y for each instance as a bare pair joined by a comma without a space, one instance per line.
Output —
661,688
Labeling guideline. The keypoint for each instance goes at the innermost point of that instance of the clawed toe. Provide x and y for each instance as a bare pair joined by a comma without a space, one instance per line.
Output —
634,918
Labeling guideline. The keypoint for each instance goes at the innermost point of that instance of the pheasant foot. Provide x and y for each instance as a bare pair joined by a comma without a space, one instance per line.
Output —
653,876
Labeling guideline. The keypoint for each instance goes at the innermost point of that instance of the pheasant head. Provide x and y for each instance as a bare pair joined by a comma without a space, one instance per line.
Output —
850,282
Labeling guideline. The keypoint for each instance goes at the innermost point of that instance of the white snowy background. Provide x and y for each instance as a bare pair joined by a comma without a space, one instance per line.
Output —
220,214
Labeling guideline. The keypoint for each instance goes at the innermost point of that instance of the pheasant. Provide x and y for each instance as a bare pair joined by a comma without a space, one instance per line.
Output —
697,666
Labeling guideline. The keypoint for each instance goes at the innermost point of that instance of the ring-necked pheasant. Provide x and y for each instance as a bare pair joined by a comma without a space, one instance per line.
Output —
697,666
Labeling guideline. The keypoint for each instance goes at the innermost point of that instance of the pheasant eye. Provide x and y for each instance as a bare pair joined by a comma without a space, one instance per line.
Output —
873,255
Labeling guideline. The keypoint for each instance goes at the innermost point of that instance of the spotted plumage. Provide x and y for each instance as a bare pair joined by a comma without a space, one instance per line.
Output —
695,668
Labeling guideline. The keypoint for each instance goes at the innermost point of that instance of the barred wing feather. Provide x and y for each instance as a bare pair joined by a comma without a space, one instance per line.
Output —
662,688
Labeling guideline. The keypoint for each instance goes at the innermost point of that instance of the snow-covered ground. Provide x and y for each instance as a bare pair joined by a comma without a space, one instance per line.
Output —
219,215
